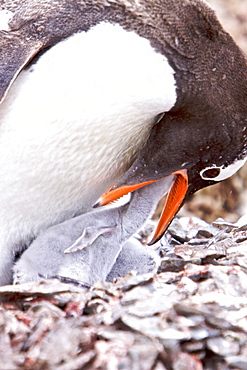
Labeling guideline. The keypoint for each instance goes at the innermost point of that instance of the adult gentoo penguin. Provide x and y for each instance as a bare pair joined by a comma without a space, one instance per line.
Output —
101,92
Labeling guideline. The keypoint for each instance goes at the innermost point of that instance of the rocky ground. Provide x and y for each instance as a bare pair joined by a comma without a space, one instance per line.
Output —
191,315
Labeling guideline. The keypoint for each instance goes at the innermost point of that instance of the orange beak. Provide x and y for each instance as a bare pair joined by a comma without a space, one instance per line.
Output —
173,202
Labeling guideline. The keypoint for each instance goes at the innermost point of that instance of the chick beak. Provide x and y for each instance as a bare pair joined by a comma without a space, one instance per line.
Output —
173,202
110,195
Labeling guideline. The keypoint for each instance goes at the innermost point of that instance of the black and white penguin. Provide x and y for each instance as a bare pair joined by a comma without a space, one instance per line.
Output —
96,92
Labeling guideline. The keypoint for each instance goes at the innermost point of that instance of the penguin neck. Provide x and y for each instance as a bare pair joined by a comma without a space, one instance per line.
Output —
142,205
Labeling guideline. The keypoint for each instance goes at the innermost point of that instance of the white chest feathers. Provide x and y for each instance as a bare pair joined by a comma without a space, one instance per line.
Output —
72,123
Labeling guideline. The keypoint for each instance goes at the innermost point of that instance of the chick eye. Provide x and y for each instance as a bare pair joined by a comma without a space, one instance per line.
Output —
210,173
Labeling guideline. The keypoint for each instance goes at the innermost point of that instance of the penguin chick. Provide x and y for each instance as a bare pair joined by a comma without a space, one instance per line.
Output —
100,239
134,256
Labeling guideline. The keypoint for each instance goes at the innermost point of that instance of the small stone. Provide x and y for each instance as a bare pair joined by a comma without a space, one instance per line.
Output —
223,347
238,362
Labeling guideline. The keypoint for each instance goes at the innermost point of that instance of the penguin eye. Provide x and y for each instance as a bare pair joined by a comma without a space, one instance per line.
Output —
223,172
210,173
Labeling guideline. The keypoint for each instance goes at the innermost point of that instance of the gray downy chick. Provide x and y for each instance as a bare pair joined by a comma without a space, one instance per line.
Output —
96,246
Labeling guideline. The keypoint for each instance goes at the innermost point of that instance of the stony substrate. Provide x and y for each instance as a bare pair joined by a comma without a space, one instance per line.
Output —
191,315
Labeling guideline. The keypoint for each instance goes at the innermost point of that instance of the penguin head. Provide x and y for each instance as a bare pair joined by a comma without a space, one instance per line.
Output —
199,150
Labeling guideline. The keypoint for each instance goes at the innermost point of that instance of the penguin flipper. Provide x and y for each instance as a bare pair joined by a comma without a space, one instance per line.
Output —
15,53
89,235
